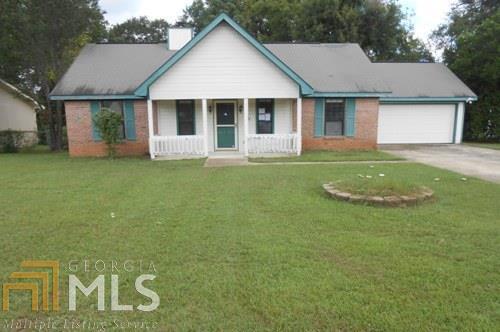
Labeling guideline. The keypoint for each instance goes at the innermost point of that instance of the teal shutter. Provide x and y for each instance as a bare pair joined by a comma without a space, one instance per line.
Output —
350,116
319,117
95,107
129,119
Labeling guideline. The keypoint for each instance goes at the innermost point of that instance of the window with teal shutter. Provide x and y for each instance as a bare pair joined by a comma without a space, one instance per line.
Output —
350,117
129,119
334,117
95,106
319,117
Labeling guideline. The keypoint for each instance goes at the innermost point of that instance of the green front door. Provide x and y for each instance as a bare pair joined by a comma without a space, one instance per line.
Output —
226,125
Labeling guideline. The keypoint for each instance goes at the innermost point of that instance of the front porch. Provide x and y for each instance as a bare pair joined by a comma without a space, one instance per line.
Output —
194,128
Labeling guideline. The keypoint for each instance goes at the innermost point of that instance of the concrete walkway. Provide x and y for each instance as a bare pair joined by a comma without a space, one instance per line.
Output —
241,161
225,162
330,162
468,160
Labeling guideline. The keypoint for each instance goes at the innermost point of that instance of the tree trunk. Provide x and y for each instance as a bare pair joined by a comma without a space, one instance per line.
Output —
54,133
59,125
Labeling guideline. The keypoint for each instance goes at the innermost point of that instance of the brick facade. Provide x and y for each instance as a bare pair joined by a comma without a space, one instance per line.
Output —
81,143
79,125
365,133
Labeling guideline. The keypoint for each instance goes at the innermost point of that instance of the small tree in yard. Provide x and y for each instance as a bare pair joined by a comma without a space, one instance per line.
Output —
109,126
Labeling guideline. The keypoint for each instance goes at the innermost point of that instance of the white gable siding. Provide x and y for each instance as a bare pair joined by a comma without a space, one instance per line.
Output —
224,65
16,114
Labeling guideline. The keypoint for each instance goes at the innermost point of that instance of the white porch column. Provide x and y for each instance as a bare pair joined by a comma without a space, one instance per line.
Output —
299,126
150,128
204,108
245,125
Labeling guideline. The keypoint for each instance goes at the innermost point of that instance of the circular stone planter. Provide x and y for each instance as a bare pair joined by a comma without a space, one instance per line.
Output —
423,195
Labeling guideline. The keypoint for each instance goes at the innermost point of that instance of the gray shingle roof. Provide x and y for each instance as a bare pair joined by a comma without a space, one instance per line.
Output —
422,80
331,67
118,69
110,69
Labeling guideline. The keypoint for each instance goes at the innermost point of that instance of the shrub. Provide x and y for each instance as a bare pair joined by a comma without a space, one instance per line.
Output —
10,140
109,126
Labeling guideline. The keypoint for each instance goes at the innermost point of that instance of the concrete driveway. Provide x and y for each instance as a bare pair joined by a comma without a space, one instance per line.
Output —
471,161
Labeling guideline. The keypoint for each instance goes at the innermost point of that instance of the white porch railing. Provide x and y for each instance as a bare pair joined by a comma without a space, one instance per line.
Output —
178,145
272,143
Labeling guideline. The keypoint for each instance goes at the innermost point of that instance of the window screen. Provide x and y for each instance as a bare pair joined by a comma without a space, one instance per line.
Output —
185,117
334,117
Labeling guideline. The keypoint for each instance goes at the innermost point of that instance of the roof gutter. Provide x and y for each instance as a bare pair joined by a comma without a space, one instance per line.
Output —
94,97
402,100
347,94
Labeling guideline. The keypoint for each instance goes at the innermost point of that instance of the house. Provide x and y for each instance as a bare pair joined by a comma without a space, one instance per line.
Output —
223,92
18,113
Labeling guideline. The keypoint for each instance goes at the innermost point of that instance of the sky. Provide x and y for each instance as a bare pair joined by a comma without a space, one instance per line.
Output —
426,14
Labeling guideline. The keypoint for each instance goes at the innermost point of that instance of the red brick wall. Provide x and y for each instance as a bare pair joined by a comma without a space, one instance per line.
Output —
365,132
79,124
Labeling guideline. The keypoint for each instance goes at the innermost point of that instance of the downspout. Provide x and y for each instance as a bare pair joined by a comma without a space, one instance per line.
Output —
455,121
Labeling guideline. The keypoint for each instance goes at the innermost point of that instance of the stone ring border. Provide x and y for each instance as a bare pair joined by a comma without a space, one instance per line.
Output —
425,194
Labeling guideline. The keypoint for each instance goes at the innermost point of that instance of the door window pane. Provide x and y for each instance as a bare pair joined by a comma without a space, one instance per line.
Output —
225,113
265,116
334,117
185,117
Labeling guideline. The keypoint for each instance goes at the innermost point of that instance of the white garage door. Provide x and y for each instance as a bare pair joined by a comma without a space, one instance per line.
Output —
406,124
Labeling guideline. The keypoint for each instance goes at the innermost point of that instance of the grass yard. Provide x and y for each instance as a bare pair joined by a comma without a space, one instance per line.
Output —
494,146
326,156
258,248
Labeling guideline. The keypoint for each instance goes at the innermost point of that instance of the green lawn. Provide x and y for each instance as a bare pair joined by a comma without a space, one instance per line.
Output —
494,146
325,156
258,248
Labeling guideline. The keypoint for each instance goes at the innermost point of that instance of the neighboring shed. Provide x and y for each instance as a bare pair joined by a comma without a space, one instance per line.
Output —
18,113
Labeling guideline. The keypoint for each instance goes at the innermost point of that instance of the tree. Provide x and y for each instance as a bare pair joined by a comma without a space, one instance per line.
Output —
470,44
11,59
109,125
380,27
200,12
139,30
50,36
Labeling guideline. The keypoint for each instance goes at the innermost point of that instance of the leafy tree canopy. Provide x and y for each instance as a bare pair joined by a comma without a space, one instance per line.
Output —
139,30
380,27
471,47
39,40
